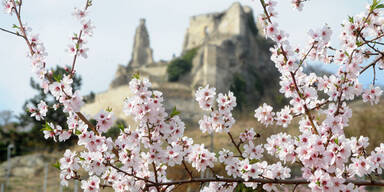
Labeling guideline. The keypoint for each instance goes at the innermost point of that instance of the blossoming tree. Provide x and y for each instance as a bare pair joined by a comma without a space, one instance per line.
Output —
138,159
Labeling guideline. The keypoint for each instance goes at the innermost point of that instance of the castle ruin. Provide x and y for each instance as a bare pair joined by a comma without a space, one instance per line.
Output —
230,54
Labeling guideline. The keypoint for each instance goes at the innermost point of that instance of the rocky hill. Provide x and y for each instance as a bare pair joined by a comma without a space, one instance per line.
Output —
223,49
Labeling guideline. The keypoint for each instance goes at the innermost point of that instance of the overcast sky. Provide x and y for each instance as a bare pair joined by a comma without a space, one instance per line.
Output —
116,21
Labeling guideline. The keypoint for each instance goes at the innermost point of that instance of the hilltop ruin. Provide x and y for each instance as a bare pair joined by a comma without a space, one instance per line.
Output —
224,49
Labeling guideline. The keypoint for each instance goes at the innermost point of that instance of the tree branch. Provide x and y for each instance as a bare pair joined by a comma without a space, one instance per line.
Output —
236,145
129,174
22,29
77,44
11,32
263,181
186,168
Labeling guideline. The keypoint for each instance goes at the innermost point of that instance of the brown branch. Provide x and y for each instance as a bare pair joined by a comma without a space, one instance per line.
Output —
186,168
236,145
366,42
305,57
371,64
265,10
76,53
129,174
22,29
372,40
155,171
295,187
153,163
380,43
11,32
263,181
90,125
331,48
78,44
374,74
317,107
307,111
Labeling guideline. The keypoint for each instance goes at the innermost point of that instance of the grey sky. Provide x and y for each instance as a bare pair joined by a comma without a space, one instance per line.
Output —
115,23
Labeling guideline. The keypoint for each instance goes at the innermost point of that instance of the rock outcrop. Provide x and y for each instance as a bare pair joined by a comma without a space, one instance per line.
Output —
141,56
141,52
228,53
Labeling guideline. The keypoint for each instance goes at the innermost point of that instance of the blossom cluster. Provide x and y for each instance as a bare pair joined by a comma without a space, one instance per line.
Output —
79,41
40,112
220,117
8,6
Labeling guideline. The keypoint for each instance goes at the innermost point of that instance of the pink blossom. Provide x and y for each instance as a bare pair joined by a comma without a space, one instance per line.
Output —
264,114
79,13
205,97
91,185
104,120
372,95
8,6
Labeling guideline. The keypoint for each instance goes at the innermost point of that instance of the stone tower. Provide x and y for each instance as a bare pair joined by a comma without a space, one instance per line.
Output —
141,52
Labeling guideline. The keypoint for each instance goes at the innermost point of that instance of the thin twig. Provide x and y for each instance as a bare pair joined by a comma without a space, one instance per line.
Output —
307,111
265,10
295,187
77,45
129,174
186,168
85,120
374,74
305,57
314,108
11,32
236,145
22,29
371,64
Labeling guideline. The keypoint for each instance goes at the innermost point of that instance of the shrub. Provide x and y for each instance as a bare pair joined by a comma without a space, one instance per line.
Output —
181,65
238,87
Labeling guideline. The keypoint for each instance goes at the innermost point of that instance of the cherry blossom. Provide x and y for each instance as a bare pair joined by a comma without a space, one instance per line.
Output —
372,95
205,97
264,114
104,120
92,185
40,112
8,6
79,13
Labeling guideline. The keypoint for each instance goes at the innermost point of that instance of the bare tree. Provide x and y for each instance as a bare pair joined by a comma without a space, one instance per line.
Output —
6,117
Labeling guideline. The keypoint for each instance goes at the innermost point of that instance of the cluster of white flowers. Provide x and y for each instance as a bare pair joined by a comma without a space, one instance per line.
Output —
78,45
221,114
372,95
40,112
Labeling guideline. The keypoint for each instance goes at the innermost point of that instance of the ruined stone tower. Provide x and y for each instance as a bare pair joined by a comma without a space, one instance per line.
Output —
141,52
217,26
